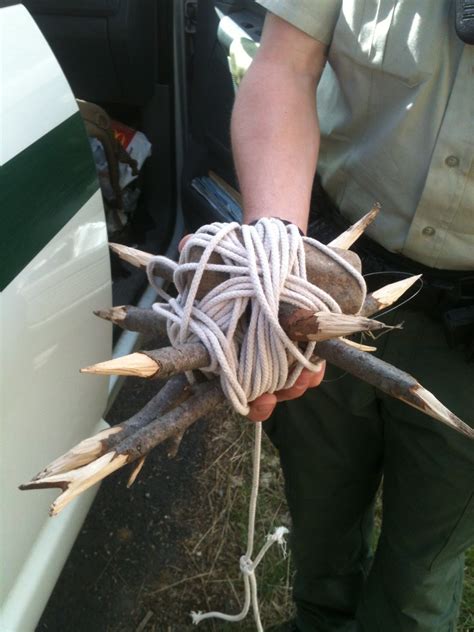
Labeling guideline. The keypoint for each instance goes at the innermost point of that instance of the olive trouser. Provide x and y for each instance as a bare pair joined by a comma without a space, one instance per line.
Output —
335,445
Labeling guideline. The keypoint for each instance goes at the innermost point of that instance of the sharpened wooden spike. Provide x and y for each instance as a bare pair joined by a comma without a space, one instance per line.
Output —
135,364
115,315
136,471
81,454
390,380
387,295
206,397
143,320
173,393
352,234
77,481
337,325
425,401
137,258
326,325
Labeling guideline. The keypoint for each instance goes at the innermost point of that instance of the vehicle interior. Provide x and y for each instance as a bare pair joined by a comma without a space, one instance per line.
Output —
160,67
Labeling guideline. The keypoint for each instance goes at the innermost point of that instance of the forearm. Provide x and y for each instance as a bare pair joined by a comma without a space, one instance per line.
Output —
275,141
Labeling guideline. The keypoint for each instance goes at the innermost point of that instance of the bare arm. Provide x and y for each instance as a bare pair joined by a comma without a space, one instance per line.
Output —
275,142
275,130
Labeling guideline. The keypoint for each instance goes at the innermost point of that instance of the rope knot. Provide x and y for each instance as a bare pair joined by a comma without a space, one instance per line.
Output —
246,565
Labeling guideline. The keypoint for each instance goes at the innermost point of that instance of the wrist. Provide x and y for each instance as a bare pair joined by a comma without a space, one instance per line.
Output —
287,222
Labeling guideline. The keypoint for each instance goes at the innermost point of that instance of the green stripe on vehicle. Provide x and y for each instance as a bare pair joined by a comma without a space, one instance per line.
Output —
40,190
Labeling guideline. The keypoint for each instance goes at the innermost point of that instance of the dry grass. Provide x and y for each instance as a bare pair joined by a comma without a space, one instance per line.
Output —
208,576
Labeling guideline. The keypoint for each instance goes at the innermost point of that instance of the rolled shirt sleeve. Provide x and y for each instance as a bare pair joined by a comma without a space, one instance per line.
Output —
317,18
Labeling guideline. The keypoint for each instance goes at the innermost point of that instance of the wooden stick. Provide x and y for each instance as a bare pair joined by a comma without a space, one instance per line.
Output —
145,321
174,392
360,364
148,322
352,234
161,363
387,295
390,380
137,258
206,397
370,369
303,325
299,324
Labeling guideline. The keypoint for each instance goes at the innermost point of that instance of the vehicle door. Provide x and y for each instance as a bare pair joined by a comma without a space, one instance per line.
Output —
54,271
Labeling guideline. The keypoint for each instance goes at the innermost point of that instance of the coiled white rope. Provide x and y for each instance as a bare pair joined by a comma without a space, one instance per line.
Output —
237,322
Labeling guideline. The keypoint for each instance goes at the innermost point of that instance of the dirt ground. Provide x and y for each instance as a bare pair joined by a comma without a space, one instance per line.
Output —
149,555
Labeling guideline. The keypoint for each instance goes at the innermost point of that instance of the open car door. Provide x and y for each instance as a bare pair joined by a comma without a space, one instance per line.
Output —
224,36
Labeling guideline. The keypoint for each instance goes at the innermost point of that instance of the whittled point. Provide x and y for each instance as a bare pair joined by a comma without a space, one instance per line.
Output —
425,401
388,295
135,364
326,325
135,472
352,234
77,481
136,257
81,454
114,314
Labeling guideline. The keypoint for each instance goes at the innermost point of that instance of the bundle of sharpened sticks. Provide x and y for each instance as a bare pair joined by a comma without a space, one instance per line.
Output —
179,404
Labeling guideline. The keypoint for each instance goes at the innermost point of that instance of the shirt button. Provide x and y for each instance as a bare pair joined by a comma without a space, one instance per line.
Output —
452,161
428,231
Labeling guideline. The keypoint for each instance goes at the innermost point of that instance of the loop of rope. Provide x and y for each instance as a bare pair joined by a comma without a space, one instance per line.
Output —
237,322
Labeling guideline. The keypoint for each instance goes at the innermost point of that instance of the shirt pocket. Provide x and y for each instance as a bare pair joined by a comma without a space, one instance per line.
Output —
402,40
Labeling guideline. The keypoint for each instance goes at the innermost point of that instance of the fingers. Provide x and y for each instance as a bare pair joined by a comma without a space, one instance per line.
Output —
262,407
307,379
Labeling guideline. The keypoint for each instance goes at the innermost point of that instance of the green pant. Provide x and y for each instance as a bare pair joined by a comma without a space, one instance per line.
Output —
335,445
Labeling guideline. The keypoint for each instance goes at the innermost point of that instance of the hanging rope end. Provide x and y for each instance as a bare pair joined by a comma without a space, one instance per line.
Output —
279,536
197,617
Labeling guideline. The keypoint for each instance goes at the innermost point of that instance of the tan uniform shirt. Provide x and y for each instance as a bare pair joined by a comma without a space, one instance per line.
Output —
396,108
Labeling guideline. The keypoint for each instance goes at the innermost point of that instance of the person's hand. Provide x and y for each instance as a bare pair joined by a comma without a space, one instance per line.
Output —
262,407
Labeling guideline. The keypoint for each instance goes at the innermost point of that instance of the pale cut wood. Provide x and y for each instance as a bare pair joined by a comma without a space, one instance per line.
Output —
392,381
74,482
302,325
387,295
135,257
136,471
135,364
174,392
206,397
358,345
352,234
